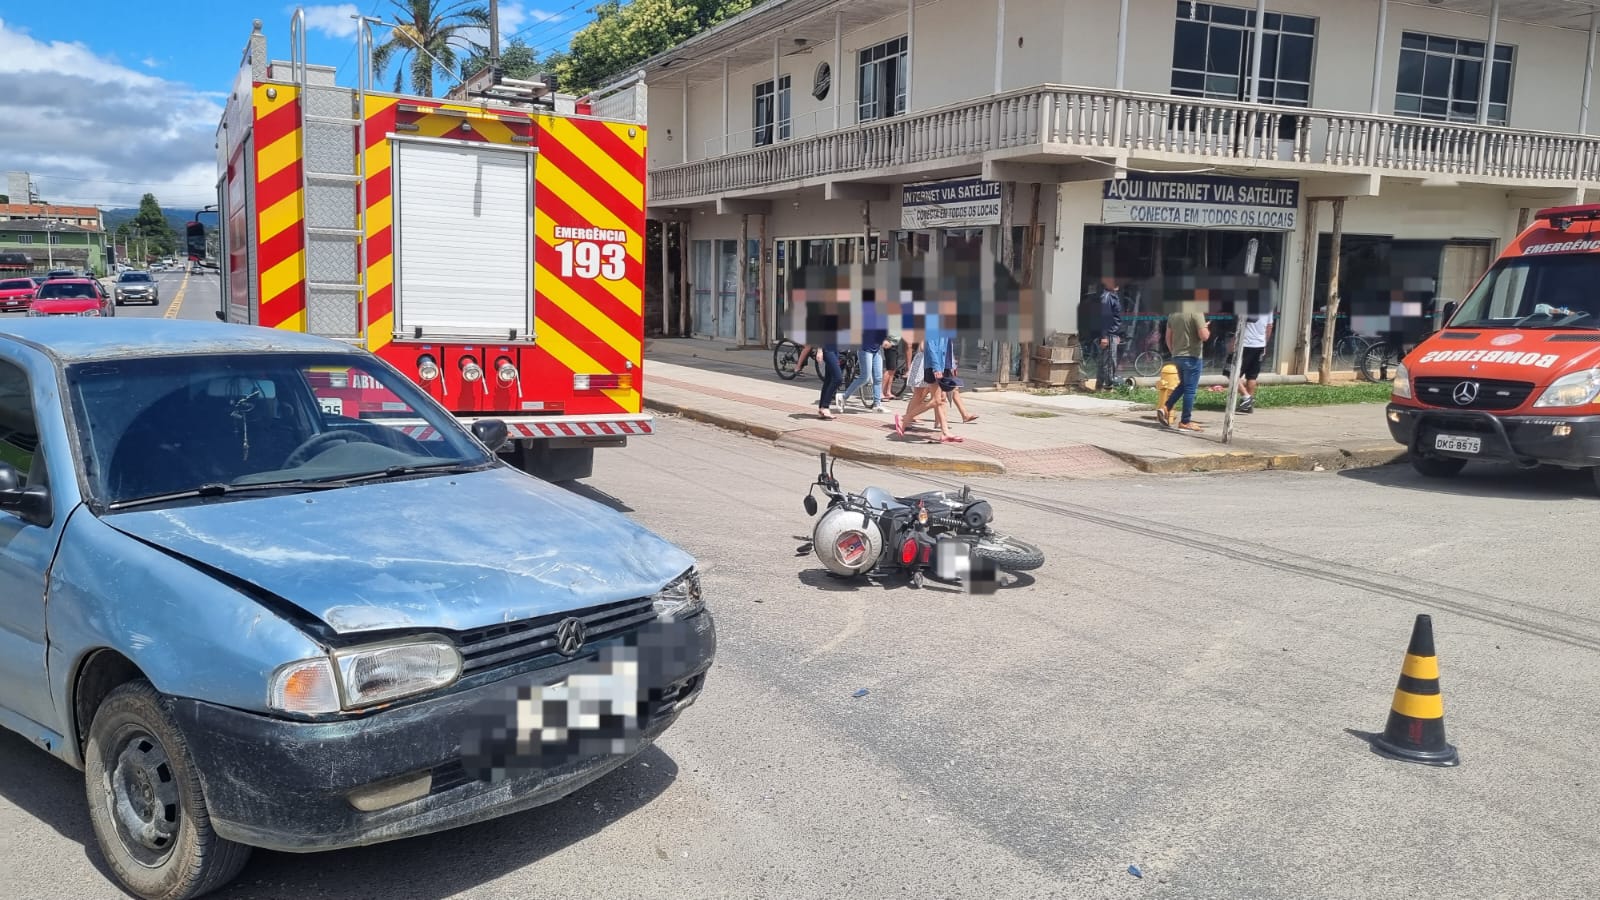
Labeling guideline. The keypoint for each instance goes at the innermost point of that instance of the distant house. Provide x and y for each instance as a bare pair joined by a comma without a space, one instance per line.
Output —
54,245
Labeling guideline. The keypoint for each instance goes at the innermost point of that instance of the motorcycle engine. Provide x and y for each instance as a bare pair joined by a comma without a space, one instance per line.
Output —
846,542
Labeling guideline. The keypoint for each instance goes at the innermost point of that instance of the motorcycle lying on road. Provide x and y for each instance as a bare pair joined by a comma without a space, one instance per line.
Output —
943,533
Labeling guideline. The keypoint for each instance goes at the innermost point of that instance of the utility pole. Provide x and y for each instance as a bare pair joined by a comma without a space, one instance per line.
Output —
494,36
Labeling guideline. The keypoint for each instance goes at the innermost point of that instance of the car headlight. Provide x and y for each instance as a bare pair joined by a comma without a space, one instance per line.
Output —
364,676
1401,386
681,598
1571,390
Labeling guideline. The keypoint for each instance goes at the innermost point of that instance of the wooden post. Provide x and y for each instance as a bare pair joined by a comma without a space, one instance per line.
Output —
1325,365
740,338
685,256
766,300
1308,291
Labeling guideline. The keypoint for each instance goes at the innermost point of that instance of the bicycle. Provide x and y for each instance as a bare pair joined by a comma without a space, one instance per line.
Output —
784,356
1379,360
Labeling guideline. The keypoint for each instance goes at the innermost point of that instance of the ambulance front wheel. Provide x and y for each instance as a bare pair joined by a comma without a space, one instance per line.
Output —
1440,466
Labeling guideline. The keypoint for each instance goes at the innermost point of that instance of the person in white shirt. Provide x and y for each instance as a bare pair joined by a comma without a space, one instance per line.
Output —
1257,331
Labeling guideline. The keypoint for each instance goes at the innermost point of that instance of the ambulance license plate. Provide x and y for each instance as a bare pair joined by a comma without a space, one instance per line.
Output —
1456,443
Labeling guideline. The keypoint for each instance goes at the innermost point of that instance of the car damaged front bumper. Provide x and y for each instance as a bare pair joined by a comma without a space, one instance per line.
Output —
464,757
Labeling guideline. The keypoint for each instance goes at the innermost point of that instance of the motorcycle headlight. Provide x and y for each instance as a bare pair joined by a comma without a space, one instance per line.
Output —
681,598
1401,386
364,676
1571,390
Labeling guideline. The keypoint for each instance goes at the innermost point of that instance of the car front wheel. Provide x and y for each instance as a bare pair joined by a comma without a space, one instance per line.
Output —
1438,466
146,805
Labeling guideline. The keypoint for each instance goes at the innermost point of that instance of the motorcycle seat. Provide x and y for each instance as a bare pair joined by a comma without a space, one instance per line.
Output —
880,499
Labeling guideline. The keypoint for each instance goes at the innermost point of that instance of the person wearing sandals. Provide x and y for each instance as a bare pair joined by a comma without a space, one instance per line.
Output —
832,377
936,375
1187,333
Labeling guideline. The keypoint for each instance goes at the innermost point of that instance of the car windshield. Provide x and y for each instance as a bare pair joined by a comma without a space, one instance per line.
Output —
16,285
153,428
1554,291
62,290
136,276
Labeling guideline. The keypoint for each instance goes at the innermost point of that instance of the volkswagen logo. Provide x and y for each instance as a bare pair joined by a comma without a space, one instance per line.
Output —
569,637
1465,393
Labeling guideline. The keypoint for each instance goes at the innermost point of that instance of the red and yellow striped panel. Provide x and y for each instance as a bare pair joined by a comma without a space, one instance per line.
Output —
280,208
589,174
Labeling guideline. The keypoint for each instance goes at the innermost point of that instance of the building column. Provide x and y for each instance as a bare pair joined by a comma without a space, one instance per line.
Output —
911,56
1000,45
1377,58
724,106
838,65
684,125
1122,44
1488,63
1255,54
1588,74
1308,292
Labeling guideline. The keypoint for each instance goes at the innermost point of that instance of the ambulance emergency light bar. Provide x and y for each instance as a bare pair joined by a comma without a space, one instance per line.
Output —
1562,216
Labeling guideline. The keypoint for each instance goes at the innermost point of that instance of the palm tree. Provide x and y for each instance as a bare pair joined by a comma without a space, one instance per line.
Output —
436,27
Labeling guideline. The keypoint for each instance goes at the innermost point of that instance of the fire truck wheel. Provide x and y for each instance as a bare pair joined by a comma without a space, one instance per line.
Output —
1437,466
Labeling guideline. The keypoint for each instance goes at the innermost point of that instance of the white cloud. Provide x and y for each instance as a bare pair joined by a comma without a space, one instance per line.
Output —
150,62
333,21
93,131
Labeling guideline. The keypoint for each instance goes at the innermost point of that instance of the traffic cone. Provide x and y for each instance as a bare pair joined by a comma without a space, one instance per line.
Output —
1415,731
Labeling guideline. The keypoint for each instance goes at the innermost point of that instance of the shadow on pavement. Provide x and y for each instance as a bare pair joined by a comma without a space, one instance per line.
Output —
431,867
1489,480
824,580
589,492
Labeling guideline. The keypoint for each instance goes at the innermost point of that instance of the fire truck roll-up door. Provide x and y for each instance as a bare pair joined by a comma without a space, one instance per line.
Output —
463,240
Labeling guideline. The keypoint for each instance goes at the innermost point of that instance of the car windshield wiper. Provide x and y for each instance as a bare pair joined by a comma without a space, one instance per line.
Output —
218,489
438,468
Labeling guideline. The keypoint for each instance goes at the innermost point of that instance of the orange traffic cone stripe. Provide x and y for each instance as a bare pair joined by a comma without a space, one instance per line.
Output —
1415,730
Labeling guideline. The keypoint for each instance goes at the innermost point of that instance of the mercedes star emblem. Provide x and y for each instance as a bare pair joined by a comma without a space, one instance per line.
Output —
569,636
1465,393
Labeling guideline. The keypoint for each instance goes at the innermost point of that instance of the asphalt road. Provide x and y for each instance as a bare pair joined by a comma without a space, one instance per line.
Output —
1180,689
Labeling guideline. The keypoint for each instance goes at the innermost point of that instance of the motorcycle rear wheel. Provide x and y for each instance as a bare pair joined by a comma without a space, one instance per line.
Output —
1007,553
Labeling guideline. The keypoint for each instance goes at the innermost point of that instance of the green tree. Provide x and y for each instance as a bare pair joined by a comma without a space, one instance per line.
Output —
434,26
621,37
151,224
517,60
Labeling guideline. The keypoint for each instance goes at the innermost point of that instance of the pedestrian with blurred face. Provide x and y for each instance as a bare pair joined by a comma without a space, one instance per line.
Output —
1187,333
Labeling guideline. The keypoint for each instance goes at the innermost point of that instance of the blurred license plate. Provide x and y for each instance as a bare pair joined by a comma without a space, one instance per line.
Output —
1457,443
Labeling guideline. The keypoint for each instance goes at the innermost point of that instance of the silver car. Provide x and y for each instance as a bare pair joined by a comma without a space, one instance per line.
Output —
137,287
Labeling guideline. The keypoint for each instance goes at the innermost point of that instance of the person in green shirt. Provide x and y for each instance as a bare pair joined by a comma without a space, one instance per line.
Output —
1187,333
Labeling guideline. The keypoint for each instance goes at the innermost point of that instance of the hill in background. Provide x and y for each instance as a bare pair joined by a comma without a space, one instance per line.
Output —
176,218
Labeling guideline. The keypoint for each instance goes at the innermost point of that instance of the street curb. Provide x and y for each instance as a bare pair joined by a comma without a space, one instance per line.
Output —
849,452
1333,459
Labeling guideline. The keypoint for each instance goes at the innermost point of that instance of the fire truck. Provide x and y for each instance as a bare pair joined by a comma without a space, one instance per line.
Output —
489,245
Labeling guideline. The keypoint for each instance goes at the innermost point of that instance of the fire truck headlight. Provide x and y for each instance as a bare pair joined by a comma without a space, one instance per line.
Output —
470,370
427,369
507,371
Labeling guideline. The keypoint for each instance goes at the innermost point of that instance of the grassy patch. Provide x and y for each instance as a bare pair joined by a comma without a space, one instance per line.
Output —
1276,396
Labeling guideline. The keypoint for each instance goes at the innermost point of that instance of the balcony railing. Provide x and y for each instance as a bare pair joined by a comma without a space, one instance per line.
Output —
1086,121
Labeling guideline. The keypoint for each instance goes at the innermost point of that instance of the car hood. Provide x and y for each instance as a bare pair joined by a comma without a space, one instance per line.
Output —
451,552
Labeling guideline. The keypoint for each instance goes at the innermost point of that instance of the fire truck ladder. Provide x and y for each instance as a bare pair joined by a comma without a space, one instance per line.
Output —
333,188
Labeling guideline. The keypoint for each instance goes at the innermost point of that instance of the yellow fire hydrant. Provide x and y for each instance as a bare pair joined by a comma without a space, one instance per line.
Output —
1168,383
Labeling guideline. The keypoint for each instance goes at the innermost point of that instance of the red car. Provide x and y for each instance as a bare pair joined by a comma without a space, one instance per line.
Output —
71,297
16,293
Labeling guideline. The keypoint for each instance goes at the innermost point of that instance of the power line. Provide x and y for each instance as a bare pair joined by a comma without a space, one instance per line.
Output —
554,20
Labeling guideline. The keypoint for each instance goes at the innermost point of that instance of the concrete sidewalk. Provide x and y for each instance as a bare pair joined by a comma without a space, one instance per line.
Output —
1015,432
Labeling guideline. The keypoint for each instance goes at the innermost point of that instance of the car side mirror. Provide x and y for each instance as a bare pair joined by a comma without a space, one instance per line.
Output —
222,316
1449,310
32,503
493,433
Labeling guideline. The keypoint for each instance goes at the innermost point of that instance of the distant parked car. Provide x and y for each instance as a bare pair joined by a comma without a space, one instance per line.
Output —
16,293
61,273
138,287
71,297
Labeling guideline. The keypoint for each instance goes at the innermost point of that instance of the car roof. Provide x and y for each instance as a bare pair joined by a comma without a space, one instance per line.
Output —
76,340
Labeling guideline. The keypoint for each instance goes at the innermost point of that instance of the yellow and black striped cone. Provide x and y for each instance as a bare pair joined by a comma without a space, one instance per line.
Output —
1415,732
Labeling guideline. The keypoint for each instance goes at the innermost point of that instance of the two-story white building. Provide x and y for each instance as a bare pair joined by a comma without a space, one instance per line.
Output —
1140,139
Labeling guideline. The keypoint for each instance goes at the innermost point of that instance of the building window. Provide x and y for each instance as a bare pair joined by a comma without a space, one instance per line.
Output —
765,108
55,237
1442,78
1213,53
881,81
24,238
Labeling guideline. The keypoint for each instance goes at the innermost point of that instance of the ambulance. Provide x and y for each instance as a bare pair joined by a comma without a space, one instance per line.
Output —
489,244
1514,374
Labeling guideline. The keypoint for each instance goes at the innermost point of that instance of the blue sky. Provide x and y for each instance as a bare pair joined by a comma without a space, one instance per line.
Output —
108,103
